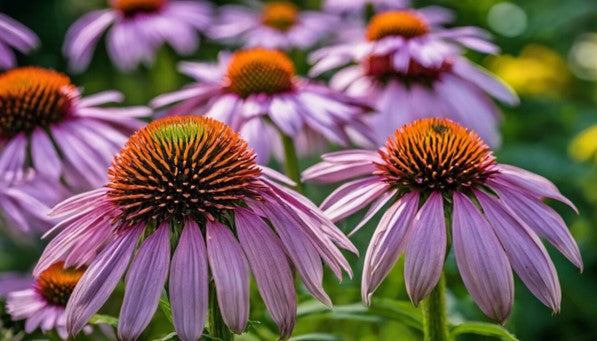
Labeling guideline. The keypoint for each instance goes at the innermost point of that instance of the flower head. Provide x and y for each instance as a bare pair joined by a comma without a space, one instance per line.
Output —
257,93
14,35
407,60
40,108
139,29
192,182
43,304
434,166
276,25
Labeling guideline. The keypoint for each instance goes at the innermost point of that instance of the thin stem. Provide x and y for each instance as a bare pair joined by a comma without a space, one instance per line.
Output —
291,165
435,321
217,327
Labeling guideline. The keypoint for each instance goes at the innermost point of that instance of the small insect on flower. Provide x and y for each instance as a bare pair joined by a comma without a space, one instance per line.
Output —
409,67
42,305
15,35
275,25
257,90
192,182
432,171
139,29
41,111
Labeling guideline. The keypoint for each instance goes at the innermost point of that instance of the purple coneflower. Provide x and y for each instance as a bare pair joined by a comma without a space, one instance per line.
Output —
44,123
42,305
409,67
25,201
192,182
15,35
426,170
253,89
140,28
277,25
358,6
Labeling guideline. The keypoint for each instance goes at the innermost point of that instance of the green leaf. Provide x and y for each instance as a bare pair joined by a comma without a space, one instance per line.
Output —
402,311
482,328
316,337
168,337
104,319
165,306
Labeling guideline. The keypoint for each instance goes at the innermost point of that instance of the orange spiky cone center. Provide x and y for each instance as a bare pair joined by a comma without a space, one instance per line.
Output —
32,97
260,71
56,283
406,24
435,154
281,16
130,8
182,167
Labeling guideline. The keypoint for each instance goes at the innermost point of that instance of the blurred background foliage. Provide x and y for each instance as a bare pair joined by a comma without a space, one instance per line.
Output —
549,55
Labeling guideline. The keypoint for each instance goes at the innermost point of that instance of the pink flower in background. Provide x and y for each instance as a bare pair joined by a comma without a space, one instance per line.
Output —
14,35
192,182
68,137
433,166
42,304
139,29
409,67
359,6
25,201
257,90
277,25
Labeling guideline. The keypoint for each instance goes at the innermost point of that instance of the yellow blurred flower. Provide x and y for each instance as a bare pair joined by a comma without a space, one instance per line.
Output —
537,71
584,146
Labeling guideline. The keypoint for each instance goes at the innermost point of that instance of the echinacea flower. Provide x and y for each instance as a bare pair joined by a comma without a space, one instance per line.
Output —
359,6
257,88
43,304
15,35
25,201
192,182
139,29
277,25
431,167
45,124
409,67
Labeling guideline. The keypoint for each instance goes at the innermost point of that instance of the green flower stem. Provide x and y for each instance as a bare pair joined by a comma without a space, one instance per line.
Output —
435,321
217,327
291,165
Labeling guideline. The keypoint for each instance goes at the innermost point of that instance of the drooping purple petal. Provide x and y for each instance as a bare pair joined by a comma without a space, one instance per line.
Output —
189,284
327,172
100,279
230,272
377,205
301,251
519,178
387,243
527,255
482,262
268,260
353,196
144,283
44,156
426,249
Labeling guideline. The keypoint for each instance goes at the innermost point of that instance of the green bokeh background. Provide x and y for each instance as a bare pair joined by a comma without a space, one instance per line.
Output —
536,136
